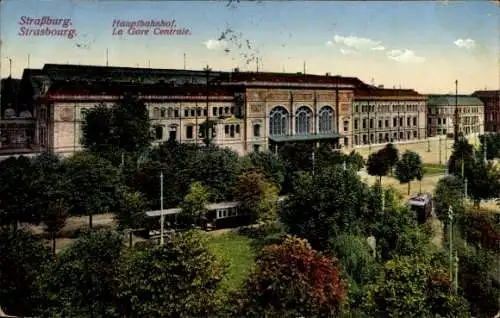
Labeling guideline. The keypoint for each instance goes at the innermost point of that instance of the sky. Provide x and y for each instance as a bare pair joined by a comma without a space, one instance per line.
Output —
420,45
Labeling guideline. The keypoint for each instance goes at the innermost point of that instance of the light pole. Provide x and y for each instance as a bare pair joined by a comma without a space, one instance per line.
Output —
450,217
455,281
162,217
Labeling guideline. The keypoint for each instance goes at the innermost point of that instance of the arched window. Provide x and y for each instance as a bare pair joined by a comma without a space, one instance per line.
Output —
163,112
303,121
278,121
326,120
156,113
170,113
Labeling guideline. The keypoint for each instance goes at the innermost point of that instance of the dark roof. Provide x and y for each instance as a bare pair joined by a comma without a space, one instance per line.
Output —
113,88
289,78
486,93
372,91
451,100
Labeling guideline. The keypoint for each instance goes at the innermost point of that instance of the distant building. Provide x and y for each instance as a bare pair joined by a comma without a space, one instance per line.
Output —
491,101
247,111
388,115
441,115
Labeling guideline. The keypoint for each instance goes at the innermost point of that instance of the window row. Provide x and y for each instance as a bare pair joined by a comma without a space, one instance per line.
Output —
279,121
388,108
190,112
232,130
385,123
366,139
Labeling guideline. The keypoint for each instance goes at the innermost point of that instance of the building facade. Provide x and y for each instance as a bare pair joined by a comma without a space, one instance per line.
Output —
491,101
387,115
245,111
441,115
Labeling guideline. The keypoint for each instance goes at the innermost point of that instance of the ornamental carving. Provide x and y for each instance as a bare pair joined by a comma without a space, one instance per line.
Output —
278,96
303,97
326,97
257,108
345,109
344,97
66,113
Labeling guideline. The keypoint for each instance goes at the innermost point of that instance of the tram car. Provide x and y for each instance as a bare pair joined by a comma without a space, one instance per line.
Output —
421,204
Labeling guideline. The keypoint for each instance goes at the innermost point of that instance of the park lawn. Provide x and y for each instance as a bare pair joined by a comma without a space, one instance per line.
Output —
433,168
237,251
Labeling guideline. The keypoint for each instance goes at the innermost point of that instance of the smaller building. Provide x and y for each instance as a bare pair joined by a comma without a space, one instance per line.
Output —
491,101
441,115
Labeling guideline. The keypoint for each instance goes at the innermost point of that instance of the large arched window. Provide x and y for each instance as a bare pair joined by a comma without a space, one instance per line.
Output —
326,120
303,120
278,121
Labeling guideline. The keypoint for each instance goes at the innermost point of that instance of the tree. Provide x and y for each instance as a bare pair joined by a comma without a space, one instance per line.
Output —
325,204
483,181
391,154
416,285
356,160
82,281
94,184
194,204
268,164
449,192
480,229
16,202
131,210
378,165
292,280
258,197
54,219
23,258
492,142
408,168
178,279
125,127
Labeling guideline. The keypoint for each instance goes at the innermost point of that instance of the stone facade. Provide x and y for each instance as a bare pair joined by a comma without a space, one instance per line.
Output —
491,101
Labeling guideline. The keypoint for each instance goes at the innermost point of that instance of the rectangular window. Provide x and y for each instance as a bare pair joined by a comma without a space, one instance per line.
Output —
176,113
356,124
371,123
189,132
214,111
159,133
380,124
256,148
387,123
226,129
346,125
394,122
414,121
256,130
364,123
186,113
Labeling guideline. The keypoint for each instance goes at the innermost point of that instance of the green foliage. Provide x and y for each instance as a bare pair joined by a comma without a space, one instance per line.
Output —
391,154
480,287
193,206
416,286
131,210
378,164
81,282
292,280
355,160
94,184
268,164
22,259
16,202
178,279
123,127
324,204
479,228
409,168
54,219
449,192
492,145
258,197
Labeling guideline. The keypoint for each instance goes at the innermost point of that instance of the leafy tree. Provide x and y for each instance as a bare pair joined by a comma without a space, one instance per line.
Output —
449,192
178,279
492,145
391,154
462,158
416,285
292,280
97,130
483,181
268,164
54,219
194,204
480,286
408,168
258,197
355,160
323,205
479,228
378,165
81,282
23,258
94,184
125,127
16,202
131,210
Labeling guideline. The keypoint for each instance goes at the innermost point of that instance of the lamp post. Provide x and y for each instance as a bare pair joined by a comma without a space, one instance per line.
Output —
162,217
450,217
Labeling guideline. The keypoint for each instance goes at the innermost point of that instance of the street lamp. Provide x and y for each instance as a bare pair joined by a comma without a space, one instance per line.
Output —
162,217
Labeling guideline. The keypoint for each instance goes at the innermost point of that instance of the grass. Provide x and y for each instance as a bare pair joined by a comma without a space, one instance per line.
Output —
433,168
238,252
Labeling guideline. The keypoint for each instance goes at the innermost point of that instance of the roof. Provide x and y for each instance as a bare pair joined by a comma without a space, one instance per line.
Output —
289,78
452,100
367,92
487,93
420,199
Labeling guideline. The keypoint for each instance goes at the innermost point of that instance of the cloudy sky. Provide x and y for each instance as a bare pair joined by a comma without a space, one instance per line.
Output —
420,45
